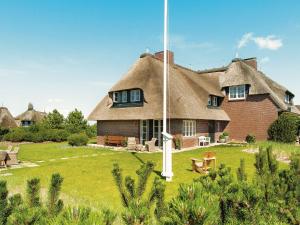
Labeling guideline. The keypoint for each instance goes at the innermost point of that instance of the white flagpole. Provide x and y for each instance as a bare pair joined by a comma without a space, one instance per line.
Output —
167,138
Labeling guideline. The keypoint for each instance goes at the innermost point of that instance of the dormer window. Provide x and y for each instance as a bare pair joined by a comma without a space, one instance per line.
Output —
124,96
209,101
213,101
135,95
127,98
288,98
237,92
117,97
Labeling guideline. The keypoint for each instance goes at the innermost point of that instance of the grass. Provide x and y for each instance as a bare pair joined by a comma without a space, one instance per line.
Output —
280,147
88,180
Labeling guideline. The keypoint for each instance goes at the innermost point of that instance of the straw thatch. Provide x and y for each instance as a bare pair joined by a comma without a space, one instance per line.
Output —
188,94
31,115
188,91
239,73
6,119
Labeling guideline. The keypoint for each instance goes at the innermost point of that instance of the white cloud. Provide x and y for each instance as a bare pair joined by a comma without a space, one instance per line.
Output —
264,60
179,41
270,42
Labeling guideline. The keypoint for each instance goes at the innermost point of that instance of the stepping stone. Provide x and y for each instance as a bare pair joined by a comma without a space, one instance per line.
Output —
95,155
52,160
64,158
41,161
85,156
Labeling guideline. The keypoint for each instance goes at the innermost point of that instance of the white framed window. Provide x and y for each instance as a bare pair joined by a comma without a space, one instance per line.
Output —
117,97
287,99
189,128
209,100
124,96
237,92
135,95
215,101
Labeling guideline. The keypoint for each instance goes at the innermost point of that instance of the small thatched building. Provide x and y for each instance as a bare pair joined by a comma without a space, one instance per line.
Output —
237,98
6,119
30,117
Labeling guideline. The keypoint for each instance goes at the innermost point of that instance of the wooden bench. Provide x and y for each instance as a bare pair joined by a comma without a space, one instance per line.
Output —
115,140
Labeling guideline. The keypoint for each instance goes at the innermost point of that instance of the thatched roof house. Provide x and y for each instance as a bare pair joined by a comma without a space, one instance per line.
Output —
6,119
237,98
30,116
187,89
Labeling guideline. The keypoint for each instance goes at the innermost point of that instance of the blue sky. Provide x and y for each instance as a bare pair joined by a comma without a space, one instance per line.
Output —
65,54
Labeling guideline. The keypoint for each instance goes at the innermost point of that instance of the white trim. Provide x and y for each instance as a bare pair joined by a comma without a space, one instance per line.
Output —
135,95
215,101
124,96
189,128
116,97
209,101
235,91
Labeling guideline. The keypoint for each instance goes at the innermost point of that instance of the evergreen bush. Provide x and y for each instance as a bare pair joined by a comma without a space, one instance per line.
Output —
78,139
285,128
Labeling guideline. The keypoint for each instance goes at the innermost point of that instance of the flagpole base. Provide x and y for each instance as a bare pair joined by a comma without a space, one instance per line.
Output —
168,176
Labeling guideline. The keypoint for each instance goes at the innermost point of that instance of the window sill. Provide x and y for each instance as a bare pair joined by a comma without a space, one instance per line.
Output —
236,100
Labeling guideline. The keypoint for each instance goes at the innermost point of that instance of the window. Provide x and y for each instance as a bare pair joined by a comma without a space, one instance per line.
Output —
287,99
209,100
237,92
189,128
135,95
124,96
117,97
215,101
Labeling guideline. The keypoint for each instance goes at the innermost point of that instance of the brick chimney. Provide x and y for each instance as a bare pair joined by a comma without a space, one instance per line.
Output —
251,62
160,56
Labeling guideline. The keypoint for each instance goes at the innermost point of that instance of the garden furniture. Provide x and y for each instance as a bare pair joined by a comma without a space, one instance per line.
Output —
204,140
131,143
150,145
115,140
3,156
209,157
197,165
12,157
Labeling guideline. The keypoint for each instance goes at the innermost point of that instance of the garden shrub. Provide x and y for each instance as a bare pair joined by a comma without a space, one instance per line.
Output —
250,139
285,128
78,139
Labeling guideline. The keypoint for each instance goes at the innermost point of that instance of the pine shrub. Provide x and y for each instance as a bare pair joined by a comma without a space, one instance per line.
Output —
78,139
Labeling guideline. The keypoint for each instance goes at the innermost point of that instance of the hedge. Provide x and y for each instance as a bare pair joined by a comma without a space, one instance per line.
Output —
78,139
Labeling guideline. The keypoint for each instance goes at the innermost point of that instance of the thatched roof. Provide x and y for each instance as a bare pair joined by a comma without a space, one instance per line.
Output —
188,94
6,119
239,72
189,90
31,115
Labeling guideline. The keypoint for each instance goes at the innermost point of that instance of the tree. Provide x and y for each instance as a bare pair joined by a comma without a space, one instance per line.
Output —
137,208
55,205
285,128
4,209
75,122
54,120
266,169
33,192
241,173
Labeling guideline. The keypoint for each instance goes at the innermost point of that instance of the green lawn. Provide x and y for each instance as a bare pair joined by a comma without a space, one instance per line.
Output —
88,179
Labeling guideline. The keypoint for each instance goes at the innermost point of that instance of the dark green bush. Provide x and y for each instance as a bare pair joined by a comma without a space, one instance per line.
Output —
34,134
285,128
250,139
78,139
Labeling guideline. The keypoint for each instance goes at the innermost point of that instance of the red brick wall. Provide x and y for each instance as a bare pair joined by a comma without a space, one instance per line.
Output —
127,128
201,130
132,129
251,116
